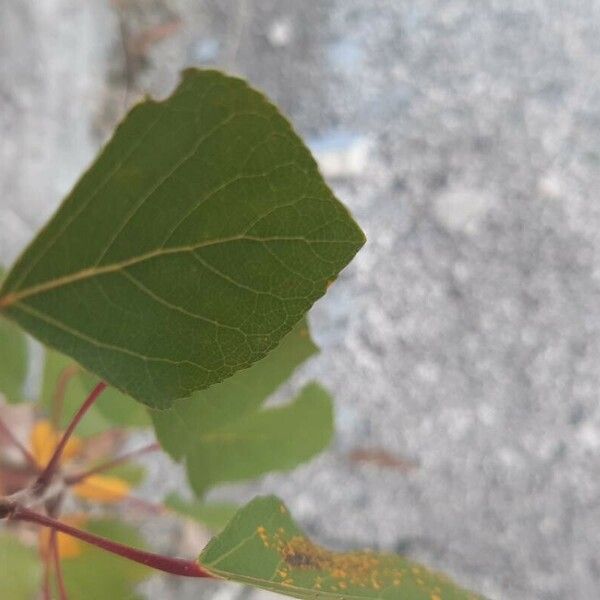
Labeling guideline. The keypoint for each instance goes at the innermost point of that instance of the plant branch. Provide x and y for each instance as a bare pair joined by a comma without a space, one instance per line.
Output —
46,581
58,396
174,566
107,466
8,434
46,475
60,581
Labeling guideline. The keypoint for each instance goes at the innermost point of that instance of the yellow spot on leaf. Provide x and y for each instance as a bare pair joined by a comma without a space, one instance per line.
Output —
102,488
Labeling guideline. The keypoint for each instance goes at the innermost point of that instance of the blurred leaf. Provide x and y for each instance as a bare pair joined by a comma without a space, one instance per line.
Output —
215,515
98,575
274,439
196,241
20,569
179,427
264,548
13,359
113,407
132,473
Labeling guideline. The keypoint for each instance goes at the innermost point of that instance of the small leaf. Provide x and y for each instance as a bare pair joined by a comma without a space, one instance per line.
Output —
275,439
215,515
113,407
263,547
179,427
196,241
21,569
13,360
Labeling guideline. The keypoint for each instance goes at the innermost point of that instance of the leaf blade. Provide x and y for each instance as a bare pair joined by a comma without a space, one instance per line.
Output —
276,439
179,427
248,237
263,547
13,359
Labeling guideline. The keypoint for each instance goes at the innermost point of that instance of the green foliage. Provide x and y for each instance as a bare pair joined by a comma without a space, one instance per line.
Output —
267,440
13,359
199,237
186,257
20,569
224,436
179,427
263,547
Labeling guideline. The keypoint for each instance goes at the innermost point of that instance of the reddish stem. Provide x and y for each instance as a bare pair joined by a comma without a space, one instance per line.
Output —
46,475
59,393
46,582
107,466
62,588
174,566
8,434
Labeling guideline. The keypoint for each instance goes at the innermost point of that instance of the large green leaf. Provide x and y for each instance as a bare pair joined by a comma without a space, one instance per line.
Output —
13,359
195,242
98,575
20,569
179,428
263,547
112,408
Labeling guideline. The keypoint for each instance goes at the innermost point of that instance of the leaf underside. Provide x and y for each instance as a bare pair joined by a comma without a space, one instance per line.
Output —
194,243
263,547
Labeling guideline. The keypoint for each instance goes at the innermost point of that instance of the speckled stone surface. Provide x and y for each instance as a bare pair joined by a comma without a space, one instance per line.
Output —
465,136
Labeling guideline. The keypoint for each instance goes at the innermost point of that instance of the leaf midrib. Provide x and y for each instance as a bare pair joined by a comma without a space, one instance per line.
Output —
13,297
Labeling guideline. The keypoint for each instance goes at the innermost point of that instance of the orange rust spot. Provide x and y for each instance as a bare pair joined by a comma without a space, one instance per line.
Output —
362,569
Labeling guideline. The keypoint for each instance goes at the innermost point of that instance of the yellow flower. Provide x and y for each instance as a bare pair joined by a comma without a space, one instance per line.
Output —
99,488
102,488
68,547
43,441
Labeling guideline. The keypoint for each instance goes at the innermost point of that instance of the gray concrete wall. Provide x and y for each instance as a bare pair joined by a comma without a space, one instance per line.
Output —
465,136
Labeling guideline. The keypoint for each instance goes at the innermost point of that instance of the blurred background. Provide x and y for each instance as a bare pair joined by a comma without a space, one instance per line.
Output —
462,346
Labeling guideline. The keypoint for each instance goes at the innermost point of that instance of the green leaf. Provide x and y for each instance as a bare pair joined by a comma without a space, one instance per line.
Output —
222,435
98,575
275,439
179,428
20,569
263,547
13,359
133,474
215,515
113,407
195,242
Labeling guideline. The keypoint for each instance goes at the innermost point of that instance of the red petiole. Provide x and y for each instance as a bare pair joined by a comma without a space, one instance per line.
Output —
49,471
79,477
173,566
